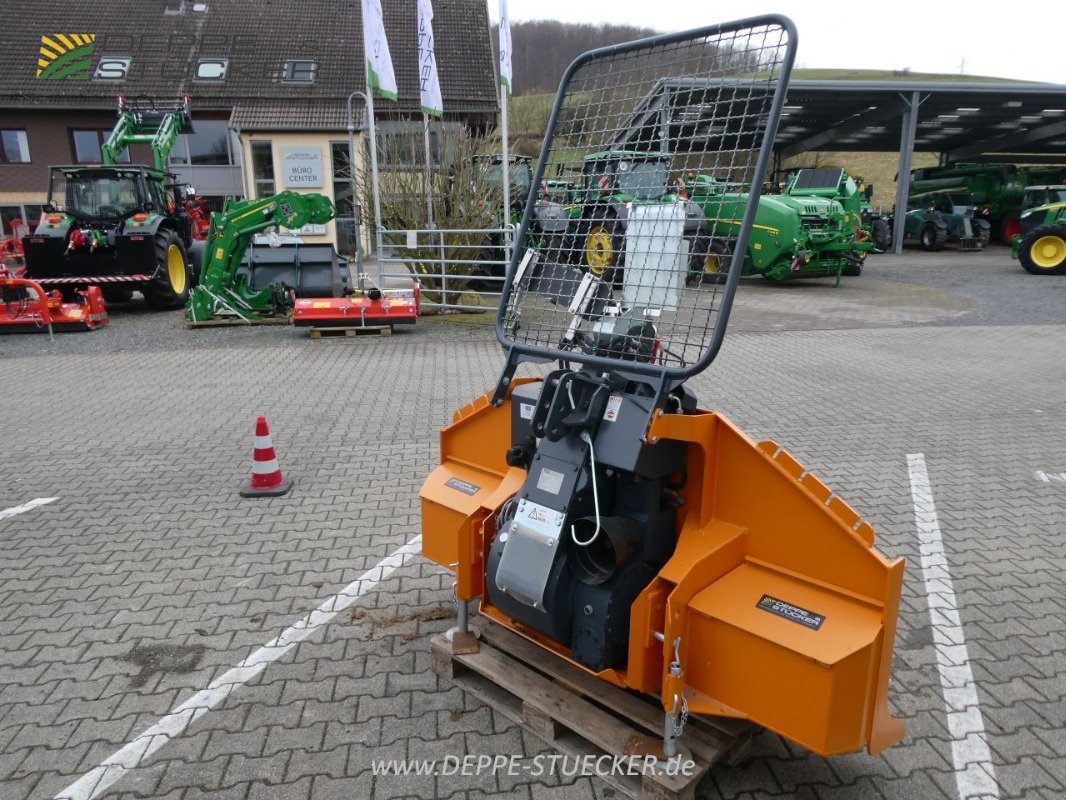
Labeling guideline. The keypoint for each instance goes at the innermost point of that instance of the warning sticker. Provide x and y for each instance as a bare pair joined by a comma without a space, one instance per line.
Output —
525,410
802,616
462,486
550,481
614,405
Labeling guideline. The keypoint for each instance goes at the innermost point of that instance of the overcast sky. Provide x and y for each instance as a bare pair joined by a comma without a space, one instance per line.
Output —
1023,41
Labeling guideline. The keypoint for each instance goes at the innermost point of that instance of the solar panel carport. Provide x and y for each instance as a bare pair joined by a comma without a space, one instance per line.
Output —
1011,122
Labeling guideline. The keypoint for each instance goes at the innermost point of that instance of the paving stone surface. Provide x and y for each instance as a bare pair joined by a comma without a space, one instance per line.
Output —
149,577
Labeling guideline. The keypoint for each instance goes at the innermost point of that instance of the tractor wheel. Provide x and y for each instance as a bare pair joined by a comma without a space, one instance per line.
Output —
882,234
933,238
1043,250
174,279
603,246
710,261
855,270
555,249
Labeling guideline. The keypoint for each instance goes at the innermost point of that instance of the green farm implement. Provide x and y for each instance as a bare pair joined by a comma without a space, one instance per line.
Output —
222,290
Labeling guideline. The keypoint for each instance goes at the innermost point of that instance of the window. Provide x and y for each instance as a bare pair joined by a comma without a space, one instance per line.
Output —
342,197
342,179
211,70
298,72
263,168
87,141
14,149
18,220
212,143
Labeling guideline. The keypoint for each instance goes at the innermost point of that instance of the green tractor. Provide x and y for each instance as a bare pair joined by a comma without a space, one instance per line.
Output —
1040,245
946,216
611,182
805,233
118,225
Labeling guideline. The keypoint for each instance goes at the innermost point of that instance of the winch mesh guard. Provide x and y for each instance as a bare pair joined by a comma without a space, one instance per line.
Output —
648,180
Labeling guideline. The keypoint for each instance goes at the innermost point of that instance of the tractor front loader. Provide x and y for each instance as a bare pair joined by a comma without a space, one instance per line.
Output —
222,290
600,512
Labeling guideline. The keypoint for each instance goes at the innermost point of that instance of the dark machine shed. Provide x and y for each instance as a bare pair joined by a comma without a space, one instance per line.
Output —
959,121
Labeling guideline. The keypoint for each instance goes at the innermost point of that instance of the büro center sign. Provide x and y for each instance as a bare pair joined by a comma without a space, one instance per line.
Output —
301,167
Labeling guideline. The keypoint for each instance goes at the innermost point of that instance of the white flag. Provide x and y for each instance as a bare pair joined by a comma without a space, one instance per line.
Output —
379,74
428,79
505,47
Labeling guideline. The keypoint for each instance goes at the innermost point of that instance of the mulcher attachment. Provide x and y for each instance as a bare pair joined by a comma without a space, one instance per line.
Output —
25,307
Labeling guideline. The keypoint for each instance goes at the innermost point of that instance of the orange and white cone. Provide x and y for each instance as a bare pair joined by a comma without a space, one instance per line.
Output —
267,480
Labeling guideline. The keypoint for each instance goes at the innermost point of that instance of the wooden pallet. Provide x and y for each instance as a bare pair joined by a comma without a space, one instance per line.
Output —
359,330
581,715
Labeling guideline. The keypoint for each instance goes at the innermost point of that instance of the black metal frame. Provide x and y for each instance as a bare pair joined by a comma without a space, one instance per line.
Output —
661,377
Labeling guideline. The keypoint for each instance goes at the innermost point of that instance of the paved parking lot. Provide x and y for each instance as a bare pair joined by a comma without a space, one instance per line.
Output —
147,579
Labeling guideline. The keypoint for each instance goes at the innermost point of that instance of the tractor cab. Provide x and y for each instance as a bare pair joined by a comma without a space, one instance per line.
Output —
1043,195
626,176
103,197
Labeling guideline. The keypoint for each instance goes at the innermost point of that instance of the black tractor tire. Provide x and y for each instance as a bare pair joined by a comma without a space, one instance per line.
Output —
709,262
933,238
556,248
174,281
602,242
1043,250
882,234
116,294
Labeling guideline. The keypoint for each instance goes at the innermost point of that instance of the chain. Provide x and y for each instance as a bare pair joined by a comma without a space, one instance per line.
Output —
682,719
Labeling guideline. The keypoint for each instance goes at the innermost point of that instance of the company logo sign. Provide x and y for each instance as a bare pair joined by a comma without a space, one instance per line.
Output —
301,167
65,56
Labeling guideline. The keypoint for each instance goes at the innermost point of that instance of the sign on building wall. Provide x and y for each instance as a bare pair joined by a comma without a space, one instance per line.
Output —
301,167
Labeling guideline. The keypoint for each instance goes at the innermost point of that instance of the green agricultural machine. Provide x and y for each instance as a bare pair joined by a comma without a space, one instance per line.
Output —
937,218
222,290
612,181
853,194
1040,245
813,230
118,225
998,189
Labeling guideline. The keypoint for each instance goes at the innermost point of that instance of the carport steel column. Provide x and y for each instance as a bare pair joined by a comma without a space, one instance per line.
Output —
903,175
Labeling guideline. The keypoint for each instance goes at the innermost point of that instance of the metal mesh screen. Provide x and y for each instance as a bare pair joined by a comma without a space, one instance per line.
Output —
643,187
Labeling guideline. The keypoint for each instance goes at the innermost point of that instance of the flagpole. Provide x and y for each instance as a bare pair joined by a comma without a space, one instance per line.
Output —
373,156
429,170
506,166
504,75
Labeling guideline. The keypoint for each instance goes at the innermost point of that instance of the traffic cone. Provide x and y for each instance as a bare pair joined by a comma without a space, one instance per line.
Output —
267,480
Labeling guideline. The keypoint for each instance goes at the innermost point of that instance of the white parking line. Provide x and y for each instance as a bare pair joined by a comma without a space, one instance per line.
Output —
129,757
974,774
1051,477
16,510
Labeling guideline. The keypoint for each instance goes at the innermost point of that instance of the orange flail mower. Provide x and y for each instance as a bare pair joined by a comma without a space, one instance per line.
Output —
597,509
25,307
